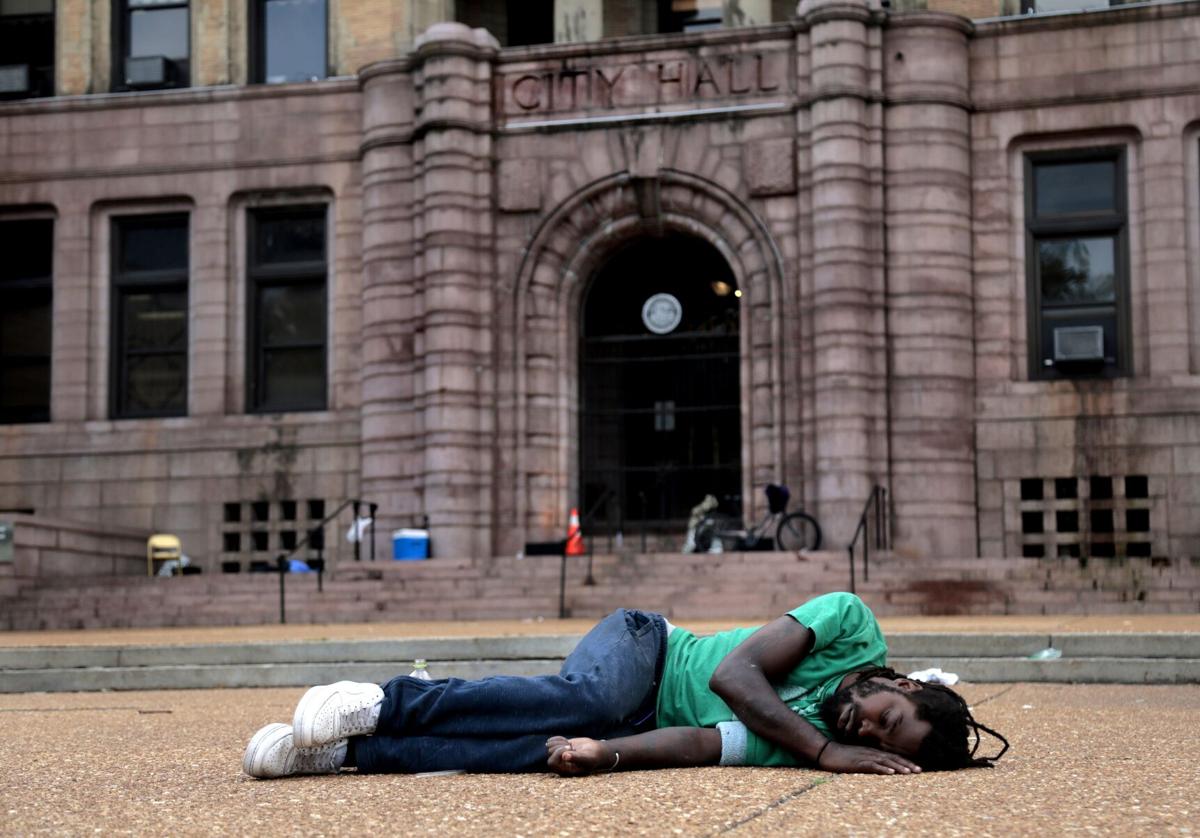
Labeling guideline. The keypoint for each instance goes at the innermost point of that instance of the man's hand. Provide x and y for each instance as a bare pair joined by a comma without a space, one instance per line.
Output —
576,757
853,759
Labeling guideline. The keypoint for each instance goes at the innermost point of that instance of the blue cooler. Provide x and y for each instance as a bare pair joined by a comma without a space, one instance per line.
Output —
410,544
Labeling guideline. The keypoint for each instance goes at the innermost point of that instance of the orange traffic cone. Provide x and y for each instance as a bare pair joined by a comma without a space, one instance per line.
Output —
574,535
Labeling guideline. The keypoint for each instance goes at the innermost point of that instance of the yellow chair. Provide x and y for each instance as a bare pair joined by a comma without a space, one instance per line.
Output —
162,548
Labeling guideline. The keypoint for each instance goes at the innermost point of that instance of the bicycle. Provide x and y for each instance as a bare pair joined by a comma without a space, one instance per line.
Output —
793,530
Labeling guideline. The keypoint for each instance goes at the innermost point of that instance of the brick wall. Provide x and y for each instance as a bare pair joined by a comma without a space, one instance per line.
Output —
213,35
360,32
74,27
365,31
967,8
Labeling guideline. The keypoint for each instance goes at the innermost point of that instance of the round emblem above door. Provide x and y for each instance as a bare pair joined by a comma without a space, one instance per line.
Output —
662,313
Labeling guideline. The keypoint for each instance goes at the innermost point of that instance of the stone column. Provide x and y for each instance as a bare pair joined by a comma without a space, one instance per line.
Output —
930,314
391,422
428,378
455,254
849,365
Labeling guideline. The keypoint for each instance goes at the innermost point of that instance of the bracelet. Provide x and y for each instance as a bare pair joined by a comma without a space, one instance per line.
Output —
817,761
616,761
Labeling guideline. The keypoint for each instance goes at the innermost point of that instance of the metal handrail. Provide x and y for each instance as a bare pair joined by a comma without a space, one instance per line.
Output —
588,515
357,504
281,561
877,503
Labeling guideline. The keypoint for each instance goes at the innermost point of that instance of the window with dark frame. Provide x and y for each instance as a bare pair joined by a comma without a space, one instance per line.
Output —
287,309
289,40
26,48
150,315
152,40
530,22
514,23
26,320
1077,264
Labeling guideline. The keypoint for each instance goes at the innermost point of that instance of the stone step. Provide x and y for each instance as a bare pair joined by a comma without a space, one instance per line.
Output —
741,585
1141,658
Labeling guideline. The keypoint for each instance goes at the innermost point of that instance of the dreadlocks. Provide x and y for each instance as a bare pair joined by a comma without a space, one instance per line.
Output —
946,746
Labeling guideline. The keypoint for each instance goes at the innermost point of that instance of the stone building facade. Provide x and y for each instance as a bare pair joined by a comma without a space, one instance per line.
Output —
963,259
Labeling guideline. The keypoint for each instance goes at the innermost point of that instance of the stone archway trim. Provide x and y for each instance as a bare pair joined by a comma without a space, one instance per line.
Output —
570,244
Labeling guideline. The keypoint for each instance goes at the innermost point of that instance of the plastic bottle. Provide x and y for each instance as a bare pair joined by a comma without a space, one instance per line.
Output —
1047,654
420,670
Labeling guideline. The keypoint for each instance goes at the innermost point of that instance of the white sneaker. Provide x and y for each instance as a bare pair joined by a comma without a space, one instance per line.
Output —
272,752
336,711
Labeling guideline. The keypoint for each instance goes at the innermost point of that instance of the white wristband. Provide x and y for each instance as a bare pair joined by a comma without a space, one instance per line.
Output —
733,743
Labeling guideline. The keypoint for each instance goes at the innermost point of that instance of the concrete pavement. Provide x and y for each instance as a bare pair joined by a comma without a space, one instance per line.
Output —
1085,759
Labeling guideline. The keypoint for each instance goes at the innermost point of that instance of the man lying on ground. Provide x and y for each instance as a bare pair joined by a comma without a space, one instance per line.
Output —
808,689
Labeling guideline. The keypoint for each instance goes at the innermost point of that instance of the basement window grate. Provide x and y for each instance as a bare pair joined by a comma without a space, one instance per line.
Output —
251,528
1103,516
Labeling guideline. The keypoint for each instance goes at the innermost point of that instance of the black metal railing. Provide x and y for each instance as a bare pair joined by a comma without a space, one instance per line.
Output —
558,547
314,538
589,516
874,511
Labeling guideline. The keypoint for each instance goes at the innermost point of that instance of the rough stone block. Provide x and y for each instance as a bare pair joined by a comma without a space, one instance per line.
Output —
770,166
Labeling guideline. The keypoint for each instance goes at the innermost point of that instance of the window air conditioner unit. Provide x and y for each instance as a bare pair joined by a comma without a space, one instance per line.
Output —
1078,343
148,71
15,78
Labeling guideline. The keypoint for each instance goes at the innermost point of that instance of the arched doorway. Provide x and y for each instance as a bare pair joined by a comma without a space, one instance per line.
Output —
660,401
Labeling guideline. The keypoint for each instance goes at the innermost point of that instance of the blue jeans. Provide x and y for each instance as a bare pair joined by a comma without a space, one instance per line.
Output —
607,687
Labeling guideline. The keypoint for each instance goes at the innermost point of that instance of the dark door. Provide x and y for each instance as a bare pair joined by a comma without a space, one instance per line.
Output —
659,396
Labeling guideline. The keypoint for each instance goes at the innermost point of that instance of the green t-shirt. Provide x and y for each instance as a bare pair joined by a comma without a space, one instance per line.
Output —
847,638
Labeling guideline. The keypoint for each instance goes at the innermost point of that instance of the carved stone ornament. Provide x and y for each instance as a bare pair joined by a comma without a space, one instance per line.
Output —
662,313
